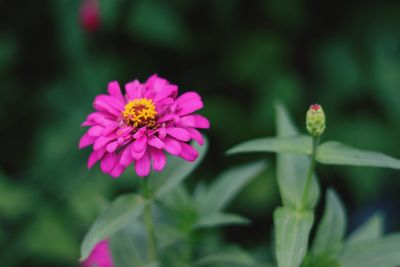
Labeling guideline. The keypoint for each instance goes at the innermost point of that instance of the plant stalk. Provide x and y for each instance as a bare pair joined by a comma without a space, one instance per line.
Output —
148,220
304,198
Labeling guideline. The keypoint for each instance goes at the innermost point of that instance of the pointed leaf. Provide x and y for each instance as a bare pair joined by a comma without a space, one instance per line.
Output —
333,152
219,219
373,228
235,257
174,172
227,185
296,144
116,216
291,168
332,227
382,252
292,229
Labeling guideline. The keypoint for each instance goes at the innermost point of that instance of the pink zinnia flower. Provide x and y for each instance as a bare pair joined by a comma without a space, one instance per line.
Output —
136,128
89,15
100,256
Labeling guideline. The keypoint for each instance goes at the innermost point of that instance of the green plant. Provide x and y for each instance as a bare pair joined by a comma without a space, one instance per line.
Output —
366,246
167,225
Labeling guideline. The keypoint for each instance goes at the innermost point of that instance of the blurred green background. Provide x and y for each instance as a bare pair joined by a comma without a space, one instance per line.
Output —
241,56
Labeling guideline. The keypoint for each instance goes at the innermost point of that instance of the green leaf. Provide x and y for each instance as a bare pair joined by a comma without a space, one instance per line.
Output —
227,185
372,228
174,173
292,229
296,144
332,227
116,216
333,152
218,219
292,169
235,257
382,252
125,251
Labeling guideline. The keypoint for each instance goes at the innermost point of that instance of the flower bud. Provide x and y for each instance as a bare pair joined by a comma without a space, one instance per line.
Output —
315,120
90,15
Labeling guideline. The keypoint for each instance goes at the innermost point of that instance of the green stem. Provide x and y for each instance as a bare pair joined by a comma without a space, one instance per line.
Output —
304,198
148,220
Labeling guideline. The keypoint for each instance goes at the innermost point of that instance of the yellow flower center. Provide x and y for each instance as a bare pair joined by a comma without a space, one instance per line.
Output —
140,112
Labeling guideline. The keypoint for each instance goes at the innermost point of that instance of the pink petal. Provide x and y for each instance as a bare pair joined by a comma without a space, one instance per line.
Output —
126,156
188,152
101,142
155,142
86,140
140,144
134,89
188,103
111,127
108,104
201,121
142,165
158,159
172,146
167,117
100,153
179,133
117,170
137,155
92,159
196,135
162,133
108,162
95,131
115,91
100,256
195,121
163,94
111,147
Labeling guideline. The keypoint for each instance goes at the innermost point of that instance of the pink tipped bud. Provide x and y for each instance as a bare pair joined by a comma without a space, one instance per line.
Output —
315,120
89,15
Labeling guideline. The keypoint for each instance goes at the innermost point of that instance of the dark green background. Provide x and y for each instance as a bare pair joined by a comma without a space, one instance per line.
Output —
241,56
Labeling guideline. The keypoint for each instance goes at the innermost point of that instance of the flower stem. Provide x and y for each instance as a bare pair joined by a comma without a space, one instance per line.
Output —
148,220
304,198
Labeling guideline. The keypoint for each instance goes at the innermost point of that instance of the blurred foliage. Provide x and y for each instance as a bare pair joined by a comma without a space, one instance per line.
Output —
240,55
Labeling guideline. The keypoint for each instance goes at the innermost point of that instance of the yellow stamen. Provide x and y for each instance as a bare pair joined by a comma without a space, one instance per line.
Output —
140,112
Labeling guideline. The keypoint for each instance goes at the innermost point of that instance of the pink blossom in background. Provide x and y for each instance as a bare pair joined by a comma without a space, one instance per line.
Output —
100,256
89,15
139,127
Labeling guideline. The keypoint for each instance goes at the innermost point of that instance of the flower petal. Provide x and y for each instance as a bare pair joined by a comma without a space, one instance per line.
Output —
136,155
86,140
188,103
117,170
188,152
179,133
155,142
108,162
158,159
195,121
142,165
134,89
126,156
140,144
92,159
111,147
95,131
115,91
172,146
196,136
